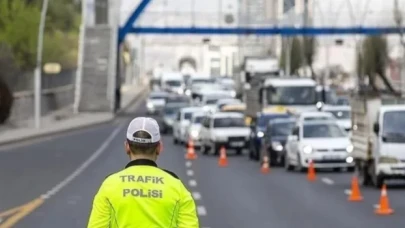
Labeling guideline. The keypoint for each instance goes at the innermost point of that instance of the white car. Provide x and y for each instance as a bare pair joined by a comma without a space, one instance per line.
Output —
224,129
209,99
193,131
324,142
342,114
309,116
182,123
156,101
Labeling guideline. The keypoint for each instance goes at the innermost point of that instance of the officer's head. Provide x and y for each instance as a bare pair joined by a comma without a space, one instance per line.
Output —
143,138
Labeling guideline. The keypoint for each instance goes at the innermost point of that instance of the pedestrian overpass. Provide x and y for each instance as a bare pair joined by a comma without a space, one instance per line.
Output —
102,66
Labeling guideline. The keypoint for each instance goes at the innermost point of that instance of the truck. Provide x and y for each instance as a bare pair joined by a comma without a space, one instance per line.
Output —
378,138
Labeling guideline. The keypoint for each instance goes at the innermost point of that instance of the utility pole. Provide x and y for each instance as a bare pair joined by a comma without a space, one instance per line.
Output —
38,68
305,23
80,58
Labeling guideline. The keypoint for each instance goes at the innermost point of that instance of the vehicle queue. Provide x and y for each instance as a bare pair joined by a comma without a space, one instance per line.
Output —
207,112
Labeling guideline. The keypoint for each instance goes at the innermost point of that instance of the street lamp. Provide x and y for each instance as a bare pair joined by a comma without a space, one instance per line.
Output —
38,68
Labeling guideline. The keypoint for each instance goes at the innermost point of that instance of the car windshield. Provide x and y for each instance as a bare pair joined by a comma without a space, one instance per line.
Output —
188,115
173,83
207,80
264,119
184,100
394,127
282,128
157,97
342,101
211,101
323,130
291,95
198,119
341,114
229,122
171,110
310,118
330,97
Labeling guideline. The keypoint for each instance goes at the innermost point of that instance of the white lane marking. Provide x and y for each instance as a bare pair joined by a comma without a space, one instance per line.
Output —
196,195
327,181
86,164
190,172
376,206
188,164
192,183
201,210
348,191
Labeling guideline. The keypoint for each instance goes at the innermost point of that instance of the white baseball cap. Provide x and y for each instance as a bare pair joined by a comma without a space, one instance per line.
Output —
146,124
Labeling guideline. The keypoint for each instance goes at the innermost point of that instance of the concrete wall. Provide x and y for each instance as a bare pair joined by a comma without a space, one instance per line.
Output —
52,100
95,86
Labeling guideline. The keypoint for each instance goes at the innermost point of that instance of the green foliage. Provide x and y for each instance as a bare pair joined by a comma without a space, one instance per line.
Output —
19,24
295,55
19,28
373,59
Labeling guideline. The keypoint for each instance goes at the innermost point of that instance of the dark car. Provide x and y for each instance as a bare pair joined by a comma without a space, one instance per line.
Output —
258,132
275,138
178,99
169,115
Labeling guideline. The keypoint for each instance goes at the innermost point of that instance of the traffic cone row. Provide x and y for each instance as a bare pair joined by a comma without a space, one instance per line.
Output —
223,160
190,155
311,175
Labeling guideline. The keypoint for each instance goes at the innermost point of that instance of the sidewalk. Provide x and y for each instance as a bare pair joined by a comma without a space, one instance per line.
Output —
65,120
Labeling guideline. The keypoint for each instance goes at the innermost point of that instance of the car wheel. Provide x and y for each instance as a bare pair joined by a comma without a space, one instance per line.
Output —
175,141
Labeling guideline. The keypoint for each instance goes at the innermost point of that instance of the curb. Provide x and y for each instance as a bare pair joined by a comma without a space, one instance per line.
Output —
58,132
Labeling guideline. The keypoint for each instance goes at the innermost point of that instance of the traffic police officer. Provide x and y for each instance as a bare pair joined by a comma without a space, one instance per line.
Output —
143,195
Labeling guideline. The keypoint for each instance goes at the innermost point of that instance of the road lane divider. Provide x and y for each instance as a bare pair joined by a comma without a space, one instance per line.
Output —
190,153
201,211
192,183
10,217
347,191
188,164
190,172
265,169
327,181
196,195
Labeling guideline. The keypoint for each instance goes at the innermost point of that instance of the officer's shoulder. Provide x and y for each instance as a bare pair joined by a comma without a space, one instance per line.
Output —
171,173
109,176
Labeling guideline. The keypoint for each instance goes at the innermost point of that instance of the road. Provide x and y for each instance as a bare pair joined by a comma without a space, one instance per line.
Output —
237,196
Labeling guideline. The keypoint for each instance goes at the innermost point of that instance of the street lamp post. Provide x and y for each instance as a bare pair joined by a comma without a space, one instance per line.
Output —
38,68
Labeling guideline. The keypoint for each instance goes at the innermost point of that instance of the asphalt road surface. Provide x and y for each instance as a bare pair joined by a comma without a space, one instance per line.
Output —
51,183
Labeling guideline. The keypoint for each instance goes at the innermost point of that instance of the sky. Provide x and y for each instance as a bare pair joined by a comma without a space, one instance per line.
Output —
181,6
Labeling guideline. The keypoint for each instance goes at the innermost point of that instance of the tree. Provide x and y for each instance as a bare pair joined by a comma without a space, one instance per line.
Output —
7,72
19,28
295,55
372,61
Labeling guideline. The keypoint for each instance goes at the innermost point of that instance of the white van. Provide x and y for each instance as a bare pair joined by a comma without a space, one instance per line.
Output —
173,82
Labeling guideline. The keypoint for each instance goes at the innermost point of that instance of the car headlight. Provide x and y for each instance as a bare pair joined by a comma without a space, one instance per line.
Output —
194,133
349,148
149,105
233,93
387,159
188,92
180,91
307,149
277,146
260,134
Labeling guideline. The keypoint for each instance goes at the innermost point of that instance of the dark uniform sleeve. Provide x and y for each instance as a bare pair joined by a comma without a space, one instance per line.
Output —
101,213
187,211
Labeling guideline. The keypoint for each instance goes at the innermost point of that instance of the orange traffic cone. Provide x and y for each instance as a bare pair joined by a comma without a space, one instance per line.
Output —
223,160
190,155
355,194
311,176
266,165
384,206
